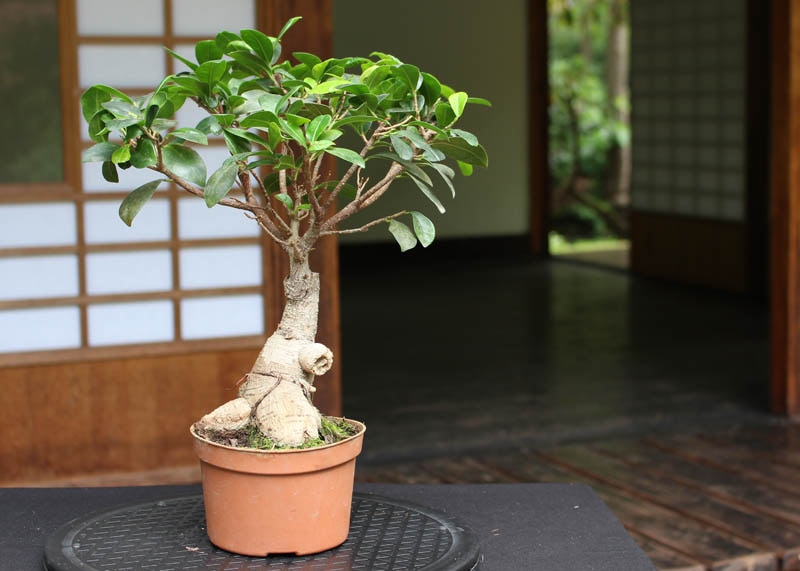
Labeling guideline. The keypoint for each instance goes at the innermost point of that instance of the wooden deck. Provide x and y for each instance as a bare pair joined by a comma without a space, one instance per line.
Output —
722,501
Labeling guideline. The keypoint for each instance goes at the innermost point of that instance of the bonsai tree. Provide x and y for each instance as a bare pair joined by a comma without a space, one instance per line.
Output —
281,119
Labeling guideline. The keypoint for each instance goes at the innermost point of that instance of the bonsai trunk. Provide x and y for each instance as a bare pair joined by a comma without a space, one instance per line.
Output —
276,394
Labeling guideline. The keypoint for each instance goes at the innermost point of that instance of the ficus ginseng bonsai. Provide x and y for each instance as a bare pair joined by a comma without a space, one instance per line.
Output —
280,119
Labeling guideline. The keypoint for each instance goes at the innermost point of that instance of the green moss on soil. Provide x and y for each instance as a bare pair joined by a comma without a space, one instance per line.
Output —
333,430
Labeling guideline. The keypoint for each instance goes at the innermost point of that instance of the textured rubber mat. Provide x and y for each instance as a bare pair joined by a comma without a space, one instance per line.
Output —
167,535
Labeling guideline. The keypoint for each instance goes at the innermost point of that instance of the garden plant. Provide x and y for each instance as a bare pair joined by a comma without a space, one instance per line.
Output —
285,121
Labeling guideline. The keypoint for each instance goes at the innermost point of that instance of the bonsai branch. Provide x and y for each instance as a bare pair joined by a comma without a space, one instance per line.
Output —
368,197
366,226
197,191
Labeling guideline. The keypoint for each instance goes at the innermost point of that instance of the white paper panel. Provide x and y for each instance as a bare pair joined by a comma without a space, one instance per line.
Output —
37,277
230,316
190,115
47,224
208,17
220,267
196,220
135,322
121,66
213,155
129,179
128,272
39,329
102,224
117,18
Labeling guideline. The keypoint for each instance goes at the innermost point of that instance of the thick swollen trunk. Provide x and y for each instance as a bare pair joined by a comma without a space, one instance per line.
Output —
276,394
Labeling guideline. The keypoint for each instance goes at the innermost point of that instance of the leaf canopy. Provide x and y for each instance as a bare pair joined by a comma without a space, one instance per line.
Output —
288,113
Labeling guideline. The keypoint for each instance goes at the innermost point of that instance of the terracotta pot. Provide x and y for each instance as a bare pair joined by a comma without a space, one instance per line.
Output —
285,501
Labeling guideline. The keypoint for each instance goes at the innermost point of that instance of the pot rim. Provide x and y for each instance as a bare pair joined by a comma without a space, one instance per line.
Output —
360,425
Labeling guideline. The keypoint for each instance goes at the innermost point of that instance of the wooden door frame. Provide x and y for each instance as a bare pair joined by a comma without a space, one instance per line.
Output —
782,236
538,123
785,208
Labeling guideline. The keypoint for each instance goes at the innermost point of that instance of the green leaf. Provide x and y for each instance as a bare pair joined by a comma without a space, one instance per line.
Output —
223,39
97,126
221,182
191,134
466,135
259,42
259,119
188,63
207,50
101,152
444,114
92,101
317,126
288,25
309,59
410,167
428,192
93,98
144,155
122,109
403,235
293,131
430,153
327,86
110,172
286,200
152,113
247,135
251,63
431,89
347,155
235,143
211,72
121,155
423,228
447,174
209,125
410,75
479,101
358,119
185,163
134,202
459,149
316,146
466,168
403,149
458,101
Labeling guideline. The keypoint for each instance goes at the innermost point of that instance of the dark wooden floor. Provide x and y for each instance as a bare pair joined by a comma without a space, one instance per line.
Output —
507,370
723,501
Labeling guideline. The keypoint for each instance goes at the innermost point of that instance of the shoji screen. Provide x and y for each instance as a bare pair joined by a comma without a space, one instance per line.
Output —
688,73
72,275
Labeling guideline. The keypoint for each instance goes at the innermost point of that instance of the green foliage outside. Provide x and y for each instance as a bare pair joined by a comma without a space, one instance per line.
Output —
587,124
29,86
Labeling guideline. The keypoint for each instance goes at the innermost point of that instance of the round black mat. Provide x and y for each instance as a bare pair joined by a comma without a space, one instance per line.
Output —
166,535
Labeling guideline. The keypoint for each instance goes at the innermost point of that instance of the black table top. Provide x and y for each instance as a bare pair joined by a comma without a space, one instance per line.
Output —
538,527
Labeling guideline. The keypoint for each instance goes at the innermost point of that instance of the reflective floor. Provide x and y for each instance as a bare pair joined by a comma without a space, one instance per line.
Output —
450,356
521,371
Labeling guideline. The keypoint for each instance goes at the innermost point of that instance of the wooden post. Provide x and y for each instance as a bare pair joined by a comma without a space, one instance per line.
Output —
538,138
785,208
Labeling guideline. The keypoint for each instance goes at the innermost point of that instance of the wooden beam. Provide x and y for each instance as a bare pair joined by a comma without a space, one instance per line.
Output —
538,139
785,208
